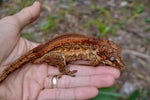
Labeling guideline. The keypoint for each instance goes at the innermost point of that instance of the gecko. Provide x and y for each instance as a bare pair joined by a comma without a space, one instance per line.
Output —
64,48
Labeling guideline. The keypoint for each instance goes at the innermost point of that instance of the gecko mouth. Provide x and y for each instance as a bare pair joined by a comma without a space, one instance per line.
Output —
121,65
112,64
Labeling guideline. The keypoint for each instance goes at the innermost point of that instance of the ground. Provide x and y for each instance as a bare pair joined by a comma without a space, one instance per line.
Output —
126,22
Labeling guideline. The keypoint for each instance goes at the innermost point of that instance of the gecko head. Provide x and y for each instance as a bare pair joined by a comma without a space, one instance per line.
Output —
111,53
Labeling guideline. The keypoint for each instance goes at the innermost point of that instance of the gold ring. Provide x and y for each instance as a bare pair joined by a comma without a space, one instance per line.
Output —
54,82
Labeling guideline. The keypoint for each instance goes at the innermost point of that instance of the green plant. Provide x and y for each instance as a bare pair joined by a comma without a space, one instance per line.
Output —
139,9
21,3
101,27
109,94
133,11
50,24
67,8
140,94
102,10
103,13
28,36
24,3
103,21
147,20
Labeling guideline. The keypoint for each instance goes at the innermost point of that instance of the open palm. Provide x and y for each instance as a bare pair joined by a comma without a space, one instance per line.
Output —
33,81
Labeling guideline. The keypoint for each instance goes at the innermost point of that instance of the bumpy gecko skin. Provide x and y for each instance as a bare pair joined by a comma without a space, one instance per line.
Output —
68,47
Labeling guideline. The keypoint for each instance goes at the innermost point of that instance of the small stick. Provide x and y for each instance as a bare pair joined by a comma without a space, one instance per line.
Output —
145,56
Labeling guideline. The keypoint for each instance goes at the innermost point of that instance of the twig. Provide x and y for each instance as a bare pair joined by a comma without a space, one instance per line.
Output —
138,33
125,51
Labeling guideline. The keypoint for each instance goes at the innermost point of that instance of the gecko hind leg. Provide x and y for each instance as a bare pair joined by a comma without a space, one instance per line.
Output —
66,71
58,60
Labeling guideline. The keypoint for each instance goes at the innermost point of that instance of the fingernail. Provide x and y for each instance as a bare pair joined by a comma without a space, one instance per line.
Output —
35,2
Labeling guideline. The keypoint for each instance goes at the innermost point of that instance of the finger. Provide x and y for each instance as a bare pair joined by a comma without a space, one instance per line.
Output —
24,17
88,70
97,70
98,81
68,94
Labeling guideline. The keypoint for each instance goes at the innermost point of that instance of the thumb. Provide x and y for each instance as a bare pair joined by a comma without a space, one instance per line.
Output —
11,26
24,17
27,15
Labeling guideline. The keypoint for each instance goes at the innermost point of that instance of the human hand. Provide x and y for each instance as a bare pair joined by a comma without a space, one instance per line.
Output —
31,81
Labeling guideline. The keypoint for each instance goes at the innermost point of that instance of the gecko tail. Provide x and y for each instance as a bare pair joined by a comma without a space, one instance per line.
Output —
15,65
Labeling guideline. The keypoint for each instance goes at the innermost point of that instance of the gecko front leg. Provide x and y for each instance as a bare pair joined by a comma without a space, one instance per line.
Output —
58,60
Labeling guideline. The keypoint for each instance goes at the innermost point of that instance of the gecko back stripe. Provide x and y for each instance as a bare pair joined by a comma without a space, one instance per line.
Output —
60,37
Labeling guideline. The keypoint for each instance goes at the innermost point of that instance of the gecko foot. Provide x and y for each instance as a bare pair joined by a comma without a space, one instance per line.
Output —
70,73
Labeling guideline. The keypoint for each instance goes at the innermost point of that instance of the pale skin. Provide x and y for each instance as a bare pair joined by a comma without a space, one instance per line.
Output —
33,81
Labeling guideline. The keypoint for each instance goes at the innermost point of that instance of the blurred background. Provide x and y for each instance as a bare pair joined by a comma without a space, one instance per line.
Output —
126,22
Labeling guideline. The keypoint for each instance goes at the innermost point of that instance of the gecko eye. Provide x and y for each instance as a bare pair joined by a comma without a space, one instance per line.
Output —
112,58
